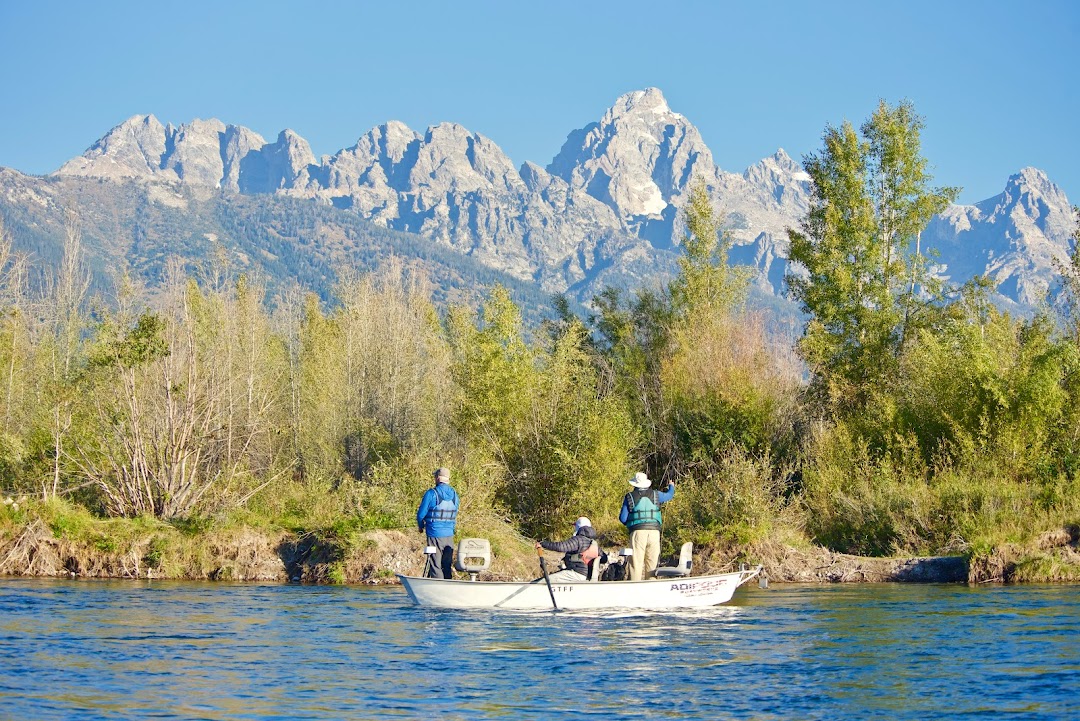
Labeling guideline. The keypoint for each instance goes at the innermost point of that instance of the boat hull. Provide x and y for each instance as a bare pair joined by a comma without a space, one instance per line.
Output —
679,592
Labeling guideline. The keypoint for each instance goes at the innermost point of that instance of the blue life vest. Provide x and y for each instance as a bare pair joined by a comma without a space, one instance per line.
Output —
445,511
644,510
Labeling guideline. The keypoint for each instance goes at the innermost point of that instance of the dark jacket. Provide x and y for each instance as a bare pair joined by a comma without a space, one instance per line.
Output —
573,547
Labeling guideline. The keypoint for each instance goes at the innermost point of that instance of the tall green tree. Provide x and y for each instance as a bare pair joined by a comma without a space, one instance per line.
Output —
705,279
63,350
1069,308
1069,304
861,273
639,336
15,357
562,446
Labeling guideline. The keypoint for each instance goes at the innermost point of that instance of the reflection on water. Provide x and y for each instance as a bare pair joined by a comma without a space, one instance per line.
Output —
133,650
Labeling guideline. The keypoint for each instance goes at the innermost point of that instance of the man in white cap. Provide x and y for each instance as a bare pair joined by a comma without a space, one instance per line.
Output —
641,515
437,517
580,549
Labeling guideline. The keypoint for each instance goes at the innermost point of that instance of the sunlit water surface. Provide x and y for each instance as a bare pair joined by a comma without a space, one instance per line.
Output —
137,650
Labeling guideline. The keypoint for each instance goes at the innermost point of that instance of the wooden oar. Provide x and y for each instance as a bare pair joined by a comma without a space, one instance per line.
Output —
543,568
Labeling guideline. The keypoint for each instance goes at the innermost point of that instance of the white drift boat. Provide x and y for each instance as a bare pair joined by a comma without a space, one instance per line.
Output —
677,591
687,592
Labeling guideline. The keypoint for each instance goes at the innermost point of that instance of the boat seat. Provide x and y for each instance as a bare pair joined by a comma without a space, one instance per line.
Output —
686,562
473,556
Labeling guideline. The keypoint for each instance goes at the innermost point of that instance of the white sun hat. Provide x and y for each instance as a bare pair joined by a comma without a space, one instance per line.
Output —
640,480
582,523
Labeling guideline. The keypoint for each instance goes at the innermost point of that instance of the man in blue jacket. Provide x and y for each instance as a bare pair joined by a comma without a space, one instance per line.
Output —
641,514
437,517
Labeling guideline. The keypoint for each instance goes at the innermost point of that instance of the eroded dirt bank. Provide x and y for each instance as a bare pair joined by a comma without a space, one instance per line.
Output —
373,557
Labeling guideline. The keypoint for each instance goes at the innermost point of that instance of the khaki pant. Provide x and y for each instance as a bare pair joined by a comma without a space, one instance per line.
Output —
566,575
646,547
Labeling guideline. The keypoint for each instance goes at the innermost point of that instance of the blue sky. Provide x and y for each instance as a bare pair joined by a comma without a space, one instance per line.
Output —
997,82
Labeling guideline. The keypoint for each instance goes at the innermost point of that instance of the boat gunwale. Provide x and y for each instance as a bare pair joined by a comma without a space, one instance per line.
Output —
744,576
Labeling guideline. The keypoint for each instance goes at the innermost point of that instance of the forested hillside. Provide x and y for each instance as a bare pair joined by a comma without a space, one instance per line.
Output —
136,228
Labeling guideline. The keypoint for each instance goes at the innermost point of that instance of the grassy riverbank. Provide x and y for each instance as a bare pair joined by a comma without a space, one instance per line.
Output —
60,540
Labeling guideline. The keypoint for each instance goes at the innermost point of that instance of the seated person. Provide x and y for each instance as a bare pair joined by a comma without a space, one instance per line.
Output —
580,549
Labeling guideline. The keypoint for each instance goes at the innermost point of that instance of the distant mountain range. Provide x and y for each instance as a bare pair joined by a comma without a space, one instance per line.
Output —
605,211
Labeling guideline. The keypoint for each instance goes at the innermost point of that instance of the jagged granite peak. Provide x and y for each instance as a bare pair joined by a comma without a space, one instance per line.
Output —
778,170
393,139
296,150
1035,181
236,144
132,149
1015,237
558,195
283,165
771,195
202,152
606,207
578,236
638,159
448,157
194,152
460,189
536,178
758,206
377,160
455,158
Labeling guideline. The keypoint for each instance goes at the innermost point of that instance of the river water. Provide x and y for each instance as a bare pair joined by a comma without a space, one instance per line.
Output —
138,650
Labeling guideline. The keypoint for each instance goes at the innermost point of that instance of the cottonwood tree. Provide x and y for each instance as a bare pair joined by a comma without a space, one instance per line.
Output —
1069,308
396,379
240,341
187,400
287,321
1069,303
14,356
728,391
371,376
705,282
864,277
563,447
13,333
640,338
68,291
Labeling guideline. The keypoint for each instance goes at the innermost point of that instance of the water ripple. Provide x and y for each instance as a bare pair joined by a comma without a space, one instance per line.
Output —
134,650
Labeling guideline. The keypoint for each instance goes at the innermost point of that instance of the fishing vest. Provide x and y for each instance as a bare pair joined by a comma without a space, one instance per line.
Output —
445,511
579,560
584,556
644,510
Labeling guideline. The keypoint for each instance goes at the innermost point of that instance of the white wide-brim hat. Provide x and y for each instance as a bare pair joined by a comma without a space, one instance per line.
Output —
640,480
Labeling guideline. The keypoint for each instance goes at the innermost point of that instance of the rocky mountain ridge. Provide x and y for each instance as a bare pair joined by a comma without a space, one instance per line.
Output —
1015,238
605,211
